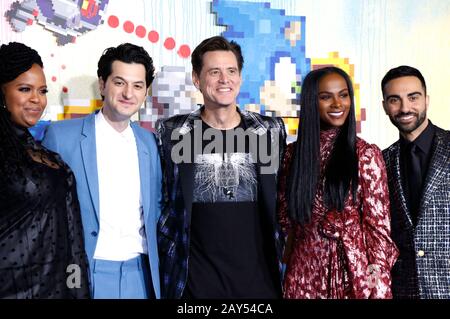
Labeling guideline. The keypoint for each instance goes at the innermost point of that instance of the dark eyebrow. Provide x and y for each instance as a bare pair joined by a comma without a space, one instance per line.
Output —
229,68
30,85
341,91
408,95
391,96
22,84
414,93
122,79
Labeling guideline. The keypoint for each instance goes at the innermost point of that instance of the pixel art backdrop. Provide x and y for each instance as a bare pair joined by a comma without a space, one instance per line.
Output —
281,42
65,19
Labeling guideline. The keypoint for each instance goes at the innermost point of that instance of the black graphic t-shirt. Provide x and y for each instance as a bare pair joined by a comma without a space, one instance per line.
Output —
227,254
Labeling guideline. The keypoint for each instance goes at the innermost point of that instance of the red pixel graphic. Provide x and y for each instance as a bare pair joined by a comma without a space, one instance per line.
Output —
183,51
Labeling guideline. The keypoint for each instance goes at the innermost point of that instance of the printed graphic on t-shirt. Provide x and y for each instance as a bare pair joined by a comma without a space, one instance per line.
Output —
228,177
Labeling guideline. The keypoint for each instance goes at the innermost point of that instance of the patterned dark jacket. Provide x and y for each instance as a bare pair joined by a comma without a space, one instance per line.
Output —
423,268
174,224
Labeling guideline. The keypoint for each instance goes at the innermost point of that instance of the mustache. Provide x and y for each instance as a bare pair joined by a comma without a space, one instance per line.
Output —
401,114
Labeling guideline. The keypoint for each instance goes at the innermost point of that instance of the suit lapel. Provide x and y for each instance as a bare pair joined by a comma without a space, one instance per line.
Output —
89,157
398,186
267,182
436,170
186,171
144,173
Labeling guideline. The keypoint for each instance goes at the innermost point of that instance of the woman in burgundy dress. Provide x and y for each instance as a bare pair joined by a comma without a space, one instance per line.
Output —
333,199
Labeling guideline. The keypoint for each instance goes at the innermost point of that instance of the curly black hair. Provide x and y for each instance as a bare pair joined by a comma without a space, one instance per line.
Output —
15,59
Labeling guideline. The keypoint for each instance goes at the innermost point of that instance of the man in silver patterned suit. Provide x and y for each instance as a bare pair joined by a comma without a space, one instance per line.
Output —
418,167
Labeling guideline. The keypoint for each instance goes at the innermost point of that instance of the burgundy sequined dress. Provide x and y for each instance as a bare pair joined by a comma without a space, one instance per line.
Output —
341,255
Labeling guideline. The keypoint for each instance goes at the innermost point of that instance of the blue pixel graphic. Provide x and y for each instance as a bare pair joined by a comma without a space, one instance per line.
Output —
265,35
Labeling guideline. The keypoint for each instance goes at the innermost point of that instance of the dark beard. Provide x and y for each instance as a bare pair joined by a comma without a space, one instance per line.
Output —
420,118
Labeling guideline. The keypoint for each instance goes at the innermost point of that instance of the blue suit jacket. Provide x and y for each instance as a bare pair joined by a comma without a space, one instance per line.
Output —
75,141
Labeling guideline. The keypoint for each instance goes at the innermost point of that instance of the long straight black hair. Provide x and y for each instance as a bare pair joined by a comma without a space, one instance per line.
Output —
341,172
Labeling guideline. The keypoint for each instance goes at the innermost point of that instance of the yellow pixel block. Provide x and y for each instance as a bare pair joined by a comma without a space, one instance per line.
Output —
76,109
333,59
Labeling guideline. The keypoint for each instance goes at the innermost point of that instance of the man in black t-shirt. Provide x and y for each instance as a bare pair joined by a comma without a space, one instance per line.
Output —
218,235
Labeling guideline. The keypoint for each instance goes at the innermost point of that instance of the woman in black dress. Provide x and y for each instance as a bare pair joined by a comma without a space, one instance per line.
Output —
41,238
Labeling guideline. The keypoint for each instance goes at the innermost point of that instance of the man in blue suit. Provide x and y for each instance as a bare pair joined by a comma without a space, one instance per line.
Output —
118,175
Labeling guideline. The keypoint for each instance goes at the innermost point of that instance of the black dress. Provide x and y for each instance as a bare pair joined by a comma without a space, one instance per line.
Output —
41,237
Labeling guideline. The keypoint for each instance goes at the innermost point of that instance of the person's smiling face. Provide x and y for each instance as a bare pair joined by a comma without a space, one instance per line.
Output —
406,104
334,100
124,90
219,80
26,96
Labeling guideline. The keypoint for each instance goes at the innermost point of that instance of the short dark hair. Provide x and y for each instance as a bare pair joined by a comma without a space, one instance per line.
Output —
217,43
127,53
401,71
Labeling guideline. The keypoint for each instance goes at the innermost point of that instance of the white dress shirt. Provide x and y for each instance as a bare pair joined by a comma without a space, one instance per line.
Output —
121,236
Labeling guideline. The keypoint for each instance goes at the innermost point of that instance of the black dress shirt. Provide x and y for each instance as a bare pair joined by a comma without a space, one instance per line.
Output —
414,160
